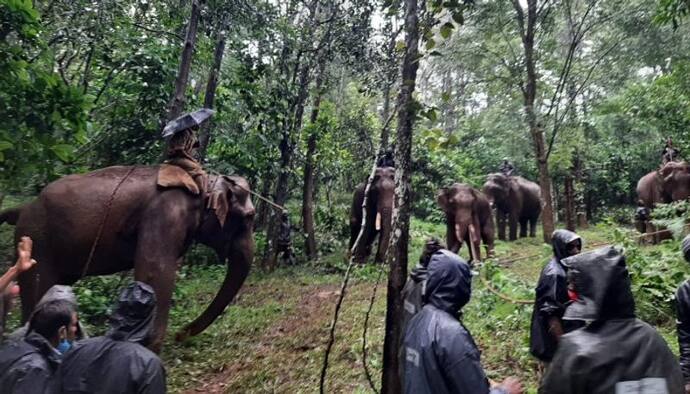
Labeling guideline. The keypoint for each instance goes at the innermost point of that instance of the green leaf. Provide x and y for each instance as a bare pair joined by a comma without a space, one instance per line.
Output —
458,17
63,151
430,44
447,29
4,145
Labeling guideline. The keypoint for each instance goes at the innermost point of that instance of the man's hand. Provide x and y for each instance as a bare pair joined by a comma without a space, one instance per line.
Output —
24,260
555,327
512,385
687,388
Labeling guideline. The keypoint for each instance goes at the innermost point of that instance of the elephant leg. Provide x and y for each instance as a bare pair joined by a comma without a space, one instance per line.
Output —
523,228
513,224
364,248
533,227
452,242
488,239
161,277
501,222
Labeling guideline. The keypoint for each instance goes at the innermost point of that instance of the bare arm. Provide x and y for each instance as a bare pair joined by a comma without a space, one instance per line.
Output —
555,327
24,263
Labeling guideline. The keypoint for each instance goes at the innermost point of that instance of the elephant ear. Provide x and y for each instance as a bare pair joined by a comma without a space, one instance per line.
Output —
218,202
442,198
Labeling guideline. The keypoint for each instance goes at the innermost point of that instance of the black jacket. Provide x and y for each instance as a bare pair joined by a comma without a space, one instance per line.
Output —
28,366
551,298
118,363
440,354
412,293
615,350
683,327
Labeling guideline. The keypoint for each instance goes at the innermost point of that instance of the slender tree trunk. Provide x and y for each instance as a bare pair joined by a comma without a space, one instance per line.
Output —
400,234
569,192
210,96
287,144
309,169
536,130
178,99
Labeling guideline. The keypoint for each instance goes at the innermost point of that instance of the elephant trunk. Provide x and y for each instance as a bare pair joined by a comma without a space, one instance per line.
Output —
239,260
384,221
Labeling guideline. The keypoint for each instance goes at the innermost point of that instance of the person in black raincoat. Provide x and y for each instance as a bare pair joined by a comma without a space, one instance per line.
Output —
552,298
615,352
414,287
118,362
29,366
440,354
683,319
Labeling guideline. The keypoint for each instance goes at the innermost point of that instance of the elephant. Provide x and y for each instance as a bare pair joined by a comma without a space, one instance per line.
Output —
669,183
126,219
516,199
468,219
379,215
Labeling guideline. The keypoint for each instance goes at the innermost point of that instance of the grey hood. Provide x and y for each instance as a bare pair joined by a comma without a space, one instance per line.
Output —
560,240
449,282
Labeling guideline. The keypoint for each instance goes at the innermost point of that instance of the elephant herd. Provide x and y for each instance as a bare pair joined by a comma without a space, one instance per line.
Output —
468,213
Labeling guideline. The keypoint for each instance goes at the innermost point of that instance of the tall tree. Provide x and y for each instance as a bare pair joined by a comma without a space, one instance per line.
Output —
397,255
527,25
178,97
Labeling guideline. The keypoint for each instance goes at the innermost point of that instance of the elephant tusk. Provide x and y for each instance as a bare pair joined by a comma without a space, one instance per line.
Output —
378,221
457,233
473,237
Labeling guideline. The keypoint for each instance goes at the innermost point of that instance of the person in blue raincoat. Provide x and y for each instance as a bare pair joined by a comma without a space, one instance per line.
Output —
440,354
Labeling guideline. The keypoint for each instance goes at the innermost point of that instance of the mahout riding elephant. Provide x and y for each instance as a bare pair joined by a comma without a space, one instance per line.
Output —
669,183
517,200
141,225
468,219
379,215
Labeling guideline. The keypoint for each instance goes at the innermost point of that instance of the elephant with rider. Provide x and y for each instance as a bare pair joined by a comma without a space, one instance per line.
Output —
517,201
468,219
378,216
142,217
669,183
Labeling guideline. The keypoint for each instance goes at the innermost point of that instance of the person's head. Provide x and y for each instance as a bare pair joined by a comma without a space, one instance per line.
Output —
685,248
431,246
55,321
565,243
66,294
449,282
132,317
602,283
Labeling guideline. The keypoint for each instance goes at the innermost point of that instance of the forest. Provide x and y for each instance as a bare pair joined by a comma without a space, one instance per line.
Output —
580,96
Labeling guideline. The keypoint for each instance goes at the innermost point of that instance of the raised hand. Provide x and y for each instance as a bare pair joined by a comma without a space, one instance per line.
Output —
24,260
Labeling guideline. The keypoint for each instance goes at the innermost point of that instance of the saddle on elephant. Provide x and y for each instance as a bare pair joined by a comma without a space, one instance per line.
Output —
180,155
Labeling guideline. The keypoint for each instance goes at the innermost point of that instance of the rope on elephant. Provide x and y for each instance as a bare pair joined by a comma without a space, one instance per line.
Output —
108,205
259,196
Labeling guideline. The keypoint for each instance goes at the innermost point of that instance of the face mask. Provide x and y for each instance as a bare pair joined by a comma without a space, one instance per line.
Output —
64,346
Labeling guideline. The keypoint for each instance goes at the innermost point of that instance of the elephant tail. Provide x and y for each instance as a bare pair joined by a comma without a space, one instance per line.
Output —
11,215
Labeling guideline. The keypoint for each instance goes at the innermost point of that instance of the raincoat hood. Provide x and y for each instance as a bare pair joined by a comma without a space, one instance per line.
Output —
602,282
560,240
449,282
132,319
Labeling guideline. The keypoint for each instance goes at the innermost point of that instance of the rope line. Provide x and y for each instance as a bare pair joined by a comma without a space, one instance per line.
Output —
108,205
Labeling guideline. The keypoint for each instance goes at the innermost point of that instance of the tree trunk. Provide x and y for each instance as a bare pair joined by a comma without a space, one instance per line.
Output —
397,253
177,102
210,96
309,165
287,146
536,130
569,192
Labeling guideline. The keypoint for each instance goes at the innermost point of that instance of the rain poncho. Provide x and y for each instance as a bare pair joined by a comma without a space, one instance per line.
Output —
551,298
412,293
55,293
440,354
118,362
615,352
28,366
683,327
